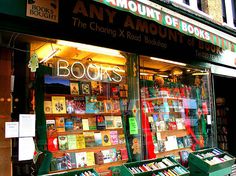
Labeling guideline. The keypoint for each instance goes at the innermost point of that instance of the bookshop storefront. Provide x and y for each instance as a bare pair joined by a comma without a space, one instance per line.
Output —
105,84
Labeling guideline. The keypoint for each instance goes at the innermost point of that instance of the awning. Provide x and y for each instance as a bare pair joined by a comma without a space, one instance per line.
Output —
166,17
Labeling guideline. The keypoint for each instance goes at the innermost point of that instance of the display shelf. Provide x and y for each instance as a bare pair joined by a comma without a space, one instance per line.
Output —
99,97
210,162
81,131
157,98
177,133
52,116
61,153
152,167
173,152
74,172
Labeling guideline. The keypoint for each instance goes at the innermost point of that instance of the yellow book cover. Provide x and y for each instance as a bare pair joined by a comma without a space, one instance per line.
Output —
80,141
90,158
106,138
58,105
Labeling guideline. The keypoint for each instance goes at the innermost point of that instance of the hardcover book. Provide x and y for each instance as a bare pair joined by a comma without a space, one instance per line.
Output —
80,141
101,123
52,143
121,138
77,123
106,138
48,107
79,105
81,159
124,154
69,125
98,139
118,122
90,159
60,124
74,88
58,105
89,139
109,120
85,123
63,143
114,137
92,123
70,106
51,127
72,142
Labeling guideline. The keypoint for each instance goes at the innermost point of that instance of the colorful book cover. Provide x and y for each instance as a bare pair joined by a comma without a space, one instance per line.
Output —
60,124
106,138
121,138
124,154
106,156
58,105
98,139
118,155
62,142
101,123
108,106
90,159
48,107
62,163
77,123
51,127
70,106
55,85
109,120
180,123
114,137
118,122
73,160
89,139
180,142
92,123
74,88
81,159
69,124
91,106
80,141
85,123
52,143
96,88
113,154
116,106
72,142
79,105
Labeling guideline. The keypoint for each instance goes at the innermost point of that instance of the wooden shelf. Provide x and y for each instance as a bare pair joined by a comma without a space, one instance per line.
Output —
99,97
52,116
172,112
99,168
157,98
177,133
172,152
81,131
60,153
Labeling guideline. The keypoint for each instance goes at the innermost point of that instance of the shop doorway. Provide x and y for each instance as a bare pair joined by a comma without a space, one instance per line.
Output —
225,95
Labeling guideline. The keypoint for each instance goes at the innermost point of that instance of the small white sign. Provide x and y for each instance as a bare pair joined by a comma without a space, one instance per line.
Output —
26,148
44,10
27,125
209,119
11,129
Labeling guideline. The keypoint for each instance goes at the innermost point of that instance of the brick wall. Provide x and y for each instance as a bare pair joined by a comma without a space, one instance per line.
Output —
213,8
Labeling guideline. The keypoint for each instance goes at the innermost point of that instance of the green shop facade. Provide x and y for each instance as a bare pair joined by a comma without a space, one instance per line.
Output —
172,61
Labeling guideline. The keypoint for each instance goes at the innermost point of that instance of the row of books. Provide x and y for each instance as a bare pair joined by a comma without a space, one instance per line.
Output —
217,160
166,122
83,159
55,85
176,171
212,153
87,173
172,143
76,123
87,139
80,105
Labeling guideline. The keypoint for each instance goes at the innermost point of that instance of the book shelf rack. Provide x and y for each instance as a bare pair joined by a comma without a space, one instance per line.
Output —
85,171
159,166
210,162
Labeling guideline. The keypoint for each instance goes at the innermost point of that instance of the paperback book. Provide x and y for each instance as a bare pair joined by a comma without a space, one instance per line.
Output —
48,107
114,137
77,123
60,124
81,159
51,127
106,138
69,125
89,139
63,142
80,141
90,158
72,142
58,105
98,139
74,88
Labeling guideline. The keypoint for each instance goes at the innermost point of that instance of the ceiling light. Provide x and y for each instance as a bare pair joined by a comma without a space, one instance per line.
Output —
91,48
168,61
146,74
50,55
200,73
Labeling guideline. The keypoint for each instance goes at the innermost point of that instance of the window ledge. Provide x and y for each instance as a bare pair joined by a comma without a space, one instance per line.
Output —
191,10
228,26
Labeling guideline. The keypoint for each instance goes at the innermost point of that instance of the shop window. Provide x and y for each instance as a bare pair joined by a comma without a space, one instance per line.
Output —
228,13
224,11
176,112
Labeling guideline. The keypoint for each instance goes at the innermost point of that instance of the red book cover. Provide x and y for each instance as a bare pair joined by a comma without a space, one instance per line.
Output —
52,143
124,154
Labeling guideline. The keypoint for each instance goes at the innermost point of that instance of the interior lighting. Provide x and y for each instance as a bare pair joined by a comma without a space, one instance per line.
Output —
91,48
168,61
50,55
